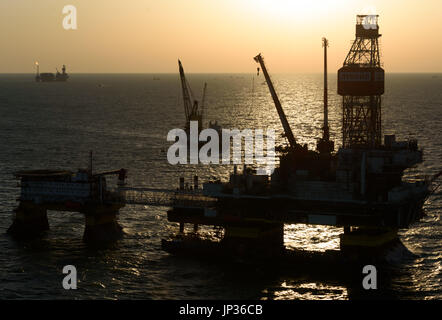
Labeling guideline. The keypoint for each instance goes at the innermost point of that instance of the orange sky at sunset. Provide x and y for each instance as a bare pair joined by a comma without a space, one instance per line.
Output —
146,36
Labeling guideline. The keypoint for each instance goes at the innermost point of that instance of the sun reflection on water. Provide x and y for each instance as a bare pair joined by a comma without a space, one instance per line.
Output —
299,290
311,238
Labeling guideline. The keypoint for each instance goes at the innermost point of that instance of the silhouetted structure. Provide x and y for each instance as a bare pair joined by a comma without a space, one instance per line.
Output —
194,111
325,145
85,192
50,77
359,188
361,84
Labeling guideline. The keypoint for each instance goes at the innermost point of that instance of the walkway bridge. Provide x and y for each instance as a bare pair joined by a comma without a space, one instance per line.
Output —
166,197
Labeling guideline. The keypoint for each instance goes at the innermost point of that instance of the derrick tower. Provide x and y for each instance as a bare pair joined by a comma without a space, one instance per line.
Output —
361,84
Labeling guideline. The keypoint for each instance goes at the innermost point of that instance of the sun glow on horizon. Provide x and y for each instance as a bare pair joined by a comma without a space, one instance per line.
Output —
296,9
148,35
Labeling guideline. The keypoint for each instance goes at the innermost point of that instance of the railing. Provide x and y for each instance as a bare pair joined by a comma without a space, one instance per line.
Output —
166,198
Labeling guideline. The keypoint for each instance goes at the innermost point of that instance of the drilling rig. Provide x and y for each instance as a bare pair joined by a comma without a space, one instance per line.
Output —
359,188
361,84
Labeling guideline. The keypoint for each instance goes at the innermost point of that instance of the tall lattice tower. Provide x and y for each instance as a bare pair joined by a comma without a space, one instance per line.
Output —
361,84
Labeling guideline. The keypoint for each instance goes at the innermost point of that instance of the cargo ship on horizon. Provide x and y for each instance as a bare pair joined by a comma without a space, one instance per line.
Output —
51,77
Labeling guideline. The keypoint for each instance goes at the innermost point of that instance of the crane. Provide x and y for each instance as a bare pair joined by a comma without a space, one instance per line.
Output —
288,131
186,92
190,104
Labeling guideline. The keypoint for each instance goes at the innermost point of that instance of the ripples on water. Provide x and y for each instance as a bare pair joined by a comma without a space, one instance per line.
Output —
125,121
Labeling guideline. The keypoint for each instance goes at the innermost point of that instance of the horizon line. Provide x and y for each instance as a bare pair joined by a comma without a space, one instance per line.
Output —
167,73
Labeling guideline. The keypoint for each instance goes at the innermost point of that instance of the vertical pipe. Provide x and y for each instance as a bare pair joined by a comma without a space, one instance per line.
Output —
326,131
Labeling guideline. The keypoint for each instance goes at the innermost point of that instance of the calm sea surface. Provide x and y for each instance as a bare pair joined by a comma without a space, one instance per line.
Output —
125,120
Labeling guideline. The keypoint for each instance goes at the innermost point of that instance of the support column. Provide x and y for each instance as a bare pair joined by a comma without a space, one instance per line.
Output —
30,221
102,227
263,240
367,239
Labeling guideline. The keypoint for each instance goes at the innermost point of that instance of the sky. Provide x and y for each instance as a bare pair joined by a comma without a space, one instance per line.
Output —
219,36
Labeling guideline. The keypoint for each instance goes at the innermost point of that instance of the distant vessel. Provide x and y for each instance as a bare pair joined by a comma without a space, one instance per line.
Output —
50,77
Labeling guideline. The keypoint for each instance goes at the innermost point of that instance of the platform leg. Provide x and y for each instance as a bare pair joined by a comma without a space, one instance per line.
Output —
367,239
264,240
30,221
102,227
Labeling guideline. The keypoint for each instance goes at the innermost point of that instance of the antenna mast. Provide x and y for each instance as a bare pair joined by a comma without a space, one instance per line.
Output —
326,133
324,144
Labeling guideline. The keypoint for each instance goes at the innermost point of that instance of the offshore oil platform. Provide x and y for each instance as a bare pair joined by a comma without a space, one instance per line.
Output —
358,188
85,192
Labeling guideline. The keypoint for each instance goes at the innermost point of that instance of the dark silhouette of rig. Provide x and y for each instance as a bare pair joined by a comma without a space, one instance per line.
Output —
85,192
359,187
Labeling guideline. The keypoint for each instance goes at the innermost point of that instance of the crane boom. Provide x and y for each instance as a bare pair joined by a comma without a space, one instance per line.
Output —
186,95
285,124
203,100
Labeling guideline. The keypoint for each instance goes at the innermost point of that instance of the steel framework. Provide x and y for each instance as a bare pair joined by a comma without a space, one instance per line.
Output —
361,116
